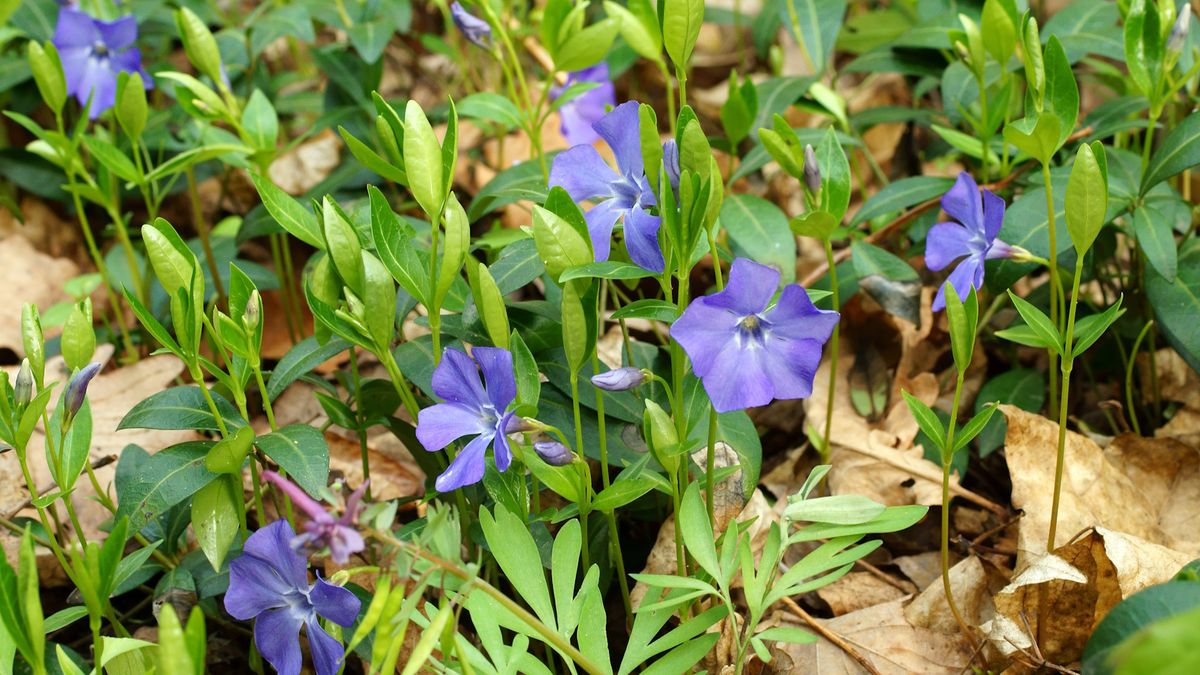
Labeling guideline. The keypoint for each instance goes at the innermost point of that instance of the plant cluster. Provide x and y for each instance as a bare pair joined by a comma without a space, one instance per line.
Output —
560,380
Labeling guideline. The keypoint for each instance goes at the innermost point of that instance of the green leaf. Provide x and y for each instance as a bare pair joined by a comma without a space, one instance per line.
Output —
1156,240
759,230
260,122
215,517
1176,305
423,161
111,158
1178,151
492,108
962,315
837,510
900,195
518,557
228,455
1087,197
1135,613
560,245
587,47
575,331
300,360
371,159
1022,387
644,36
302,452
160,481
926,419
1038,322
529,384
1091,328
395,243
819,23
345,249
289,213
681,27
971,429
1062,93
835,176
622,492
523,181
697,532
609,269
650,308
180,408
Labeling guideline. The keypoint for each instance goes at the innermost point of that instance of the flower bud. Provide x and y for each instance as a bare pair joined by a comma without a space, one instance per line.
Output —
32,340
253,313
200,45
671,162
1179,32
662,434
476,30
77,389
23,386
48,74
554,453
812,170
619,379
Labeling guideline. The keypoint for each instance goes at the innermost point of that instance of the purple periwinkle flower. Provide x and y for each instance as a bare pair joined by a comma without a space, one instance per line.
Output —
470,408
268,582
623,193
77,388
619,379
93,52
580,113
747,354
974,239
476,30
554,453
322,530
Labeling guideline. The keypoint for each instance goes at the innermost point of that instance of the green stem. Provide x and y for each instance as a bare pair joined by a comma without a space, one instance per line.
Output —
1129,403
1067,364
585,493
666,74
398,381
710,465
947,456
834,348
985,128
1055,282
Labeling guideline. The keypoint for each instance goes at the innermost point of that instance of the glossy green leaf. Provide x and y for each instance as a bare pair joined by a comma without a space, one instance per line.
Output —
302,452
215,509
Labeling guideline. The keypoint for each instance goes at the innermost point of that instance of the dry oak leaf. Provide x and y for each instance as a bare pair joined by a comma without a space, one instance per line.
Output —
1074,588
973,583
298,170
883,635
28,276
858,590
1145,487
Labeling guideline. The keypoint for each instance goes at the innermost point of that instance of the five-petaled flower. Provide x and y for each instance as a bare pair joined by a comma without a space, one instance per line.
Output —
975,238
268,582
624,193
322,530
747,354
580,113
93,52
475,29
471,408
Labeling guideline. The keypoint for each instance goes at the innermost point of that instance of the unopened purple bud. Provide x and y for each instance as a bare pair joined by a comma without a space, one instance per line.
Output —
1179,32
77,388
476,30
554,453
671,162
620,379
23,386
812,170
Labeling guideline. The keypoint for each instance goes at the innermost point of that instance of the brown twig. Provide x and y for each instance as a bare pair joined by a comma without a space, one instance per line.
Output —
904,219
834,638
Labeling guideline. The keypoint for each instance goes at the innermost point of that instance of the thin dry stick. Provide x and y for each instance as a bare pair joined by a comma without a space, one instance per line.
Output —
831,636
928,474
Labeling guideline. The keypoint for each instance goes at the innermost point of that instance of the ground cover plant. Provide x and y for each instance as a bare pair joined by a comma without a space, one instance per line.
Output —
614,337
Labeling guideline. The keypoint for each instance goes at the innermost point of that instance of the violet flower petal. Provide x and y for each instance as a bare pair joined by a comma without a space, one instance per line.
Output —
962,202
467,468
620,129
273,545
497,367
299,497
456,380
968,275
254,587
582,173
945,243
441,424
795,317
334,603
749,289
277,636
501,450
600,221
993,215
327,653
641,240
